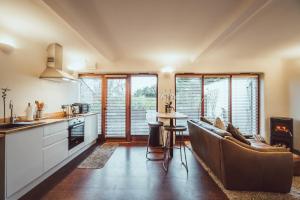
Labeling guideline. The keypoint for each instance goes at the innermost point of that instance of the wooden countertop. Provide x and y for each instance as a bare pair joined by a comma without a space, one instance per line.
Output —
42,122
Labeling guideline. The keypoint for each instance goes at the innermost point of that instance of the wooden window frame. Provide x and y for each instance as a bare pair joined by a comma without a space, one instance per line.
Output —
230,76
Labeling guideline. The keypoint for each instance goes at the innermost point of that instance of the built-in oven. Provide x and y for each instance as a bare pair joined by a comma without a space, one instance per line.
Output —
76,132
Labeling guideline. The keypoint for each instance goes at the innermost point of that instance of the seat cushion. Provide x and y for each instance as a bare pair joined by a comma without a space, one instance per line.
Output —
237,134
155,124
175,128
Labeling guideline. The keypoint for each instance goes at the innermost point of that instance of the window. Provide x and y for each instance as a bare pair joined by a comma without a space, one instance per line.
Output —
234,98
90,92
143,103
188,97
216,98
245,104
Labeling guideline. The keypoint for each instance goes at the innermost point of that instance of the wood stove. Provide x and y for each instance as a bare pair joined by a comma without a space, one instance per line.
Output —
282,132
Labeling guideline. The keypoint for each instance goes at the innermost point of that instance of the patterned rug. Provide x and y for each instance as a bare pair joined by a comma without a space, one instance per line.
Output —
99,157
247,195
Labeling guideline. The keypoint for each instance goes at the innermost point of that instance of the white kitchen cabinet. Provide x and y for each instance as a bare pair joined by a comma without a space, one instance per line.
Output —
55,144
55,128
53,138
90,128
24,158
55,153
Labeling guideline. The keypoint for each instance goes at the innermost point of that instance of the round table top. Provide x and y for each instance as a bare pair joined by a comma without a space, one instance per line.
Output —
173,115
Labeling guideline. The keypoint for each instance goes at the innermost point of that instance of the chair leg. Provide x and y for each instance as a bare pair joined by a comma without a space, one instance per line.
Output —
184,164
147,151
166,153
180,144
153,151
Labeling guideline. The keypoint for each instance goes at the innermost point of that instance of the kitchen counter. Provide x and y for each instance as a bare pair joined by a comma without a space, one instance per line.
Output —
42,122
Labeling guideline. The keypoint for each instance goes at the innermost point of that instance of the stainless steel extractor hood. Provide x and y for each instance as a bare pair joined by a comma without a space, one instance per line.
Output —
54,71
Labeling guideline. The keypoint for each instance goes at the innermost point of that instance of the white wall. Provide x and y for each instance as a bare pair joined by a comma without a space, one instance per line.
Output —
20,70
292,71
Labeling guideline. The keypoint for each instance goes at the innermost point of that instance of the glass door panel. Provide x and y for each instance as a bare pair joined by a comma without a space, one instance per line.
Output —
245,104
216,98
143,103
115,123
188,98
91,93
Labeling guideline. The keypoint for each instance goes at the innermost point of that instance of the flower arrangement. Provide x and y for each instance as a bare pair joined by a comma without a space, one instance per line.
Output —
168,98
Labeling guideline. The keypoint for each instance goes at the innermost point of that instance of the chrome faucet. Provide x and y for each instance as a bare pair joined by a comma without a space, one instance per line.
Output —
12,117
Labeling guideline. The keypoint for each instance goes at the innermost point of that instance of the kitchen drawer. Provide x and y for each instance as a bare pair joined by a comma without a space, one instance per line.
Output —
54,138
54,154
55,128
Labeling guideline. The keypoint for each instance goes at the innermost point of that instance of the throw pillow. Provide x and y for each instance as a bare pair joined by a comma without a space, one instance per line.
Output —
219,124
237,134
204,119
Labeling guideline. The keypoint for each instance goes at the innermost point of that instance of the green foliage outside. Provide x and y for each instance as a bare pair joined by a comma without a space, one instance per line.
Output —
144,98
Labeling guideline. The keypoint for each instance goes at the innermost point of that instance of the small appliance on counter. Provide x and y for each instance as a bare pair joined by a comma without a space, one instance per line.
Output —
67,109
80,108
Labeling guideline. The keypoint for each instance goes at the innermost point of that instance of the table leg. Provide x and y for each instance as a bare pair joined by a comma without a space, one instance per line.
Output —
171,139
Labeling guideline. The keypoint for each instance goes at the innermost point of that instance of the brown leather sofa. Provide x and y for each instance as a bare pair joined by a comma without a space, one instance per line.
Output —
240,166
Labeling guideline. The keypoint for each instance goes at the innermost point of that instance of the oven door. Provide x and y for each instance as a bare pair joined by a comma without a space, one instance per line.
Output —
76,135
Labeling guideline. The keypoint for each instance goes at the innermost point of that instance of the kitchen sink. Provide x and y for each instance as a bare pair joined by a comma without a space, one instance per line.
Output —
17,125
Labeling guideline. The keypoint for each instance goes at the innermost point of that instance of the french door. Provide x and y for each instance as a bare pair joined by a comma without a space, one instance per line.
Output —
125,103
116,109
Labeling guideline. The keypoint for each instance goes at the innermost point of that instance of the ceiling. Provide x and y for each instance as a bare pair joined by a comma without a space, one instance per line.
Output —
177,32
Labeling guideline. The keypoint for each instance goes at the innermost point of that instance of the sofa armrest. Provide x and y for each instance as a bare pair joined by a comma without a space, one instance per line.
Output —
246,169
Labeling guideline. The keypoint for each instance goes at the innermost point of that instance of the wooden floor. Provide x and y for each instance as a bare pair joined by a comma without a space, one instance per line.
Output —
127,175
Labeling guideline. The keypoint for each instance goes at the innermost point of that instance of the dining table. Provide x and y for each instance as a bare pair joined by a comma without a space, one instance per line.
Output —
173,116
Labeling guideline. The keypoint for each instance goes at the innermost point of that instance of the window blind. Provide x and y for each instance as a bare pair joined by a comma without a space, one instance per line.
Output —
216,98
143,103
188,97
245,104
90,92
116,108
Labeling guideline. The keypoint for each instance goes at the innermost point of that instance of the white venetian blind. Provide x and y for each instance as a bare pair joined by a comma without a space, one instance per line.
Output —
245,104
216,98
188,97
116,108
90,92
143,103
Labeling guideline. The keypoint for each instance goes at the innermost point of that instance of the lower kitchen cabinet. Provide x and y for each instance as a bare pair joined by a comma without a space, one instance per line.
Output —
55,153
34,154
90,128
24,158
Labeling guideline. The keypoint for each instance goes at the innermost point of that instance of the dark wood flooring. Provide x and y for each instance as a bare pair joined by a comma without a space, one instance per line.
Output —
127,175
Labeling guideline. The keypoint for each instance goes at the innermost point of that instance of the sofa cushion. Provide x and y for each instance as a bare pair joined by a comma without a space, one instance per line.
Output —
219,124
213,129
258,146
237,134
204,119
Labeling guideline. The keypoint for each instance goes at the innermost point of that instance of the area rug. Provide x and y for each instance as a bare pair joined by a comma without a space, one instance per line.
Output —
99,157
246,195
